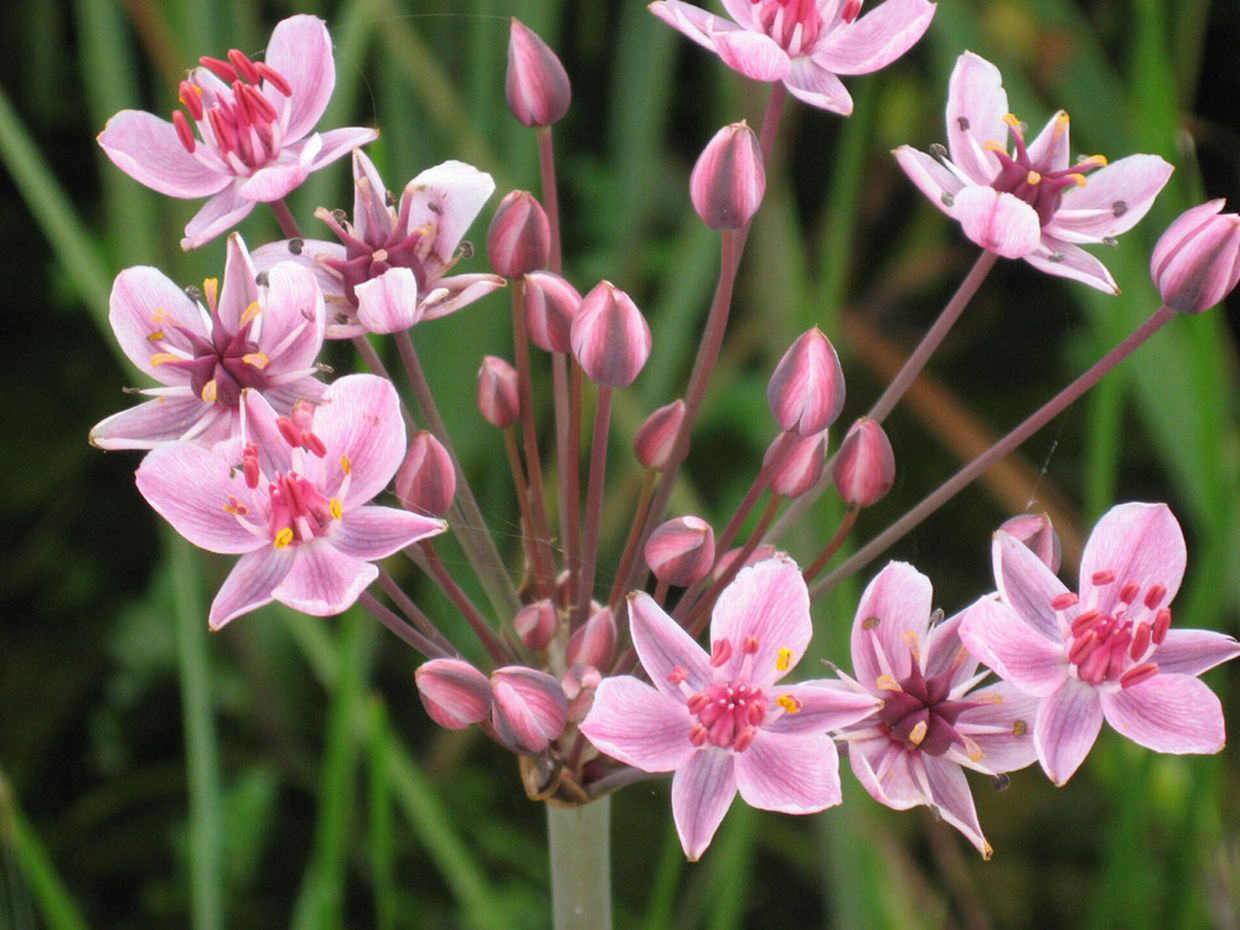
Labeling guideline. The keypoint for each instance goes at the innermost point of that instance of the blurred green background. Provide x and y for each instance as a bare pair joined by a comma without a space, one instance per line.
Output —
282,773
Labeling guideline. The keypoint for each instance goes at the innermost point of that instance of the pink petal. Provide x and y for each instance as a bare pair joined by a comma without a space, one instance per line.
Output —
529,710
1191,652
447,199
150,424
376,532
768,601
283,396
876,39
811,83
1026,585
218,215
336,143
949,790
993,632
239,288
147,149
1049,151
290,328
998,221
1113,200
897,788
824,705
360,418
1002,727
1064,260
741,11
793,773
388,303
1142,544
1168,713
372,217
896,604
943,650
266,257
934,179
144,302
702,792
1067,726
638,725
301,50
692,21
663,645
753,54
259,426
454,293
323,581
250,584
277,180
976,106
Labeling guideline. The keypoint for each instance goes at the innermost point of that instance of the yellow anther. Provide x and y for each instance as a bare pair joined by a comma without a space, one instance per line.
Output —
209,392
1078,180
159,315
1011,120
251,312
987,850
156,336
1061,124
257,360
211,290
783,660
973,751
283,538
887,683
163,358
870,623
918,733
346,465
913,643
1033,178
992,146
337,510
789,703
1019,727
994,697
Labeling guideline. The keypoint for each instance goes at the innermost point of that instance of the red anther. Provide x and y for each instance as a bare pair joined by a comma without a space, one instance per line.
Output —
249,465
1128,593
221,69
751,644
191,98
697,702
313,444
1093,668
1082,648
291,434
1103,577
1084,622
723,731
184,132
1138,674
755,713
850,11
1064,601
260,103
244,105
1162,623
745,738
296,500
697,735
1140,641
677,675
273,77
245,67
225,138
1155,595
720,652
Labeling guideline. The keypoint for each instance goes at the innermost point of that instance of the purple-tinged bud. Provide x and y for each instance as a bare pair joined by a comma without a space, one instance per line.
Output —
681,552
656,439
455,694
1036,532
610,337
865,466
1196,262
519,239
497,392
728,180
594,642
536,85
550,305
806,392
528,708
426,481
579,684
796,462
536,624
760,554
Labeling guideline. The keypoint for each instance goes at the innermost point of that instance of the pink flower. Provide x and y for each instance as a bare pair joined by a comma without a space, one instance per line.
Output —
295,505
720,721
1032,203
264,336
245,133
804,43
932,725
389,270
1196,262
1109,652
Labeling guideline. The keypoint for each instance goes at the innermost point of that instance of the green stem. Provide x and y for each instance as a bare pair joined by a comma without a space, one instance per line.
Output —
580,842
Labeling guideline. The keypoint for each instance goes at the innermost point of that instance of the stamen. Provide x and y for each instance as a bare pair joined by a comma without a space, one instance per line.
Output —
1154,596
744,739
184,133
209,392
914,645
211,290
221,69
1084,622
1162,623
1064,601
1033,178
750,645
972,750
1138,674
283,538
720,652
1128,593
1106,576
274,78
697,702
257,360
783,660
1140,641
336,508
1079,180
918,733
698,735
190,95
677,675
249,459
156,336
1019,728
789,703
346,465
163,358
887,683
1082,648
245,67
870,623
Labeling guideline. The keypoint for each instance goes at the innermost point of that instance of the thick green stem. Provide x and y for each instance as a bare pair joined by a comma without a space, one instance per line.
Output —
580,841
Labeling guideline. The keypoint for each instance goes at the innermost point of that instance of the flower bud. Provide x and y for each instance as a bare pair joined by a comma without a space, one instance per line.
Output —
610,337
806,392
519,239
497,392
536,85
1036,532
594,642
579,684
760,554
656,438
536,624
728,180
454,693
550,305
528,708
865,466
681,552
426,481
796,462
1196,262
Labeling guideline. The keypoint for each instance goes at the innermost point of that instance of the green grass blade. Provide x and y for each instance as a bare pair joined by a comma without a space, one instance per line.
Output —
382,819
55,903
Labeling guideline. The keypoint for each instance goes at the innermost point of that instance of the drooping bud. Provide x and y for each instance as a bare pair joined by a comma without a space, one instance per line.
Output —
610,338
536,85
1196,262
497,392
528,708
760,554
865,466
656,439
426,481
806,392
728,180
455,694
550,305
681,552
536,624
1036,532
579,684
519,239
594,642
796,463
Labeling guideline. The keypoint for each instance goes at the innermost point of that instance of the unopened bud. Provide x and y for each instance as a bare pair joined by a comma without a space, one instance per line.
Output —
1036,532
796,463
656,438
426,481
528,708
579,684
497,392
1196,262
536,624
806,392
550,305
454,693
728,180
594,642
760,554
519,239
681,552
865,466
536,85
610,338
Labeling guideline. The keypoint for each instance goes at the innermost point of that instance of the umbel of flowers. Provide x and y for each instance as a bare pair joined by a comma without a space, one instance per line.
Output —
253,449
